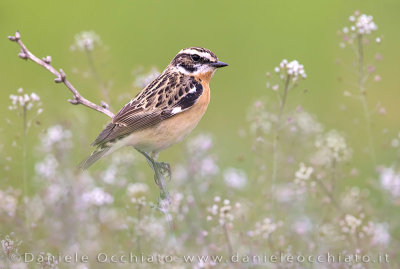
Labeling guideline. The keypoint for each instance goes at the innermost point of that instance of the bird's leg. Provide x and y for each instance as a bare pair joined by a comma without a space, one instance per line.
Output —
161,172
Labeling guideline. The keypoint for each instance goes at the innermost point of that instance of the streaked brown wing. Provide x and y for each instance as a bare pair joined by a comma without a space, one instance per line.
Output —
157,102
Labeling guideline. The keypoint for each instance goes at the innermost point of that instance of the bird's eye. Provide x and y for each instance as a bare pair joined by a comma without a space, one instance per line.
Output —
195,57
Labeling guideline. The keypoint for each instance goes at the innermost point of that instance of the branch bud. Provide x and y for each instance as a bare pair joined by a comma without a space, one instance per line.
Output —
62,75
12,38
22,55
104,105
17,35
47,59
74,101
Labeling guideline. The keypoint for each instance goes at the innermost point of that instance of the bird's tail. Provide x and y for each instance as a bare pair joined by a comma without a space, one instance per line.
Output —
94,157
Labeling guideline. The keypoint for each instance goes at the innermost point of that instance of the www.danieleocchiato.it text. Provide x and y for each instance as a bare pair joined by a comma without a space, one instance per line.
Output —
265,258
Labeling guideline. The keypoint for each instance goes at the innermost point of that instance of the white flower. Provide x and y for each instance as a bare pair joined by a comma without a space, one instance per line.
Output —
302,226
365,24
235,178
350,224
200,144
304,172
260,119
137,190
151,228
143,79
390,181
293,69
331,147
35,97
208,167
307,123
56,136
86,41
379,233
8,202
47,168
265,228
24,100
97,197
224,211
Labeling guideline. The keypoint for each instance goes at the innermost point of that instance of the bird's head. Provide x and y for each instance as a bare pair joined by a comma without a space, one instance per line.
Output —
196,61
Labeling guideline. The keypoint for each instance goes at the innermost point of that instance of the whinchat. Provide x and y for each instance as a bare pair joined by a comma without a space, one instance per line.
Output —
165,111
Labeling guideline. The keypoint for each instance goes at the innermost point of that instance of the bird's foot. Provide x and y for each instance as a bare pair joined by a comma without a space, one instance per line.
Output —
165,170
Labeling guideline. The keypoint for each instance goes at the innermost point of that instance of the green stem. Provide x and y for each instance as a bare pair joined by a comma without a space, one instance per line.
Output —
139,218
24,164
363,97
276,137
228,240
24,154
97,76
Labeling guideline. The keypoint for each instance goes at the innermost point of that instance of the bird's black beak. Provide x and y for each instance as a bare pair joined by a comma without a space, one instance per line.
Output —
218,64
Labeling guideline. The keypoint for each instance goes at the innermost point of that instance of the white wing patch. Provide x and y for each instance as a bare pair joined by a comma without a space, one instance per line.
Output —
176,110
192,90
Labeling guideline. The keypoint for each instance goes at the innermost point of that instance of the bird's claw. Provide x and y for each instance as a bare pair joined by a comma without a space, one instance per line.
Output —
165,170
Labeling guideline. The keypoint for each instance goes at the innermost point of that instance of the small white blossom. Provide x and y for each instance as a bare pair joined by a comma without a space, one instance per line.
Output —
8,202
302,226
265,228
293,69
390,181
47,168
137,192
208,167
331,147
97,197
360,24
86,41
261,120
307,123
151,228
379,233
235,178
56,137
224,212
365,24
200,144
304,172
143,79
350,224
24,100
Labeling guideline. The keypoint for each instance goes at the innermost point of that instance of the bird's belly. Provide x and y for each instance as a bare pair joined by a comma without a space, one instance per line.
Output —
170,131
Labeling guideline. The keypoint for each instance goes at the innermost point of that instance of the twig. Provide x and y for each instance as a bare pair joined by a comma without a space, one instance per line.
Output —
60,77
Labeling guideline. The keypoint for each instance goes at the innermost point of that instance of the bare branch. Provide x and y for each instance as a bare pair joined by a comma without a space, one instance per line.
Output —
60,77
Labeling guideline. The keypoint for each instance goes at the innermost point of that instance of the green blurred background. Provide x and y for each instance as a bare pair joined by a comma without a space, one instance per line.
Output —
252,36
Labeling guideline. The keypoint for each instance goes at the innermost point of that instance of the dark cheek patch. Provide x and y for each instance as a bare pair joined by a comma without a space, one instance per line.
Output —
188,67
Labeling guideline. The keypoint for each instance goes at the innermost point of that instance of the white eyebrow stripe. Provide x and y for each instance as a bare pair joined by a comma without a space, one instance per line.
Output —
202,54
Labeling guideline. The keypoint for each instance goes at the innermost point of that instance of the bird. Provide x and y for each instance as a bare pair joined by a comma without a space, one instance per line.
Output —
165,111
